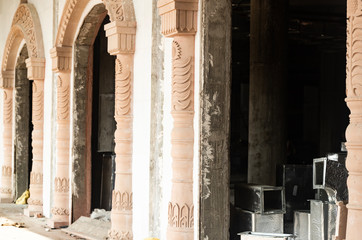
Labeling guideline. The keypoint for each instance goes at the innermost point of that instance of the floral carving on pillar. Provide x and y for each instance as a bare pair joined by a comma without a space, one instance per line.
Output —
354,129
179,20
115,9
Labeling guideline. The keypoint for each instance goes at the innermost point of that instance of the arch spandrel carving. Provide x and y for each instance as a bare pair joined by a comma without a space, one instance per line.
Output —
25,25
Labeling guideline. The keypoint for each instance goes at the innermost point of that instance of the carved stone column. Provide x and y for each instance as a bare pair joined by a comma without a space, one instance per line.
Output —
179,20
354,129
121,42
6,193
36,72
61,58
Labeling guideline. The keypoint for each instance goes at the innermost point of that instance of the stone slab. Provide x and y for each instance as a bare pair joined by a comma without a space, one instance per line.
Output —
92,229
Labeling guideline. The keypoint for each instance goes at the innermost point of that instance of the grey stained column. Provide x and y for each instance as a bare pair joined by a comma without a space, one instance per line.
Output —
268,34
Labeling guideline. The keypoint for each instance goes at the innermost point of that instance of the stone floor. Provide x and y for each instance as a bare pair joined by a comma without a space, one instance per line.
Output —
33,228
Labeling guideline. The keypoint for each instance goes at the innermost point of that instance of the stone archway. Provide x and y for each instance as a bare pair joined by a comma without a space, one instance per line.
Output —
121,42
25,26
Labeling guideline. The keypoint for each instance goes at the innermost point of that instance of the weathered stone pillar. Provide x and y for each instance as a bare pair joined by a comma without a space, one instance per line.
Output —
267,143
61,58
354,129
6,193
179,20
36,72
121,42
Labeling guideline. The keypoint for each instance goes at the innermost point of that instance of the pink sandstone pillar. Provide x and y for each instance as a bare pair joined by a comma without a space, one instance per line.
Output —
61,58
354,129
121,42
179,21
6,193
36,71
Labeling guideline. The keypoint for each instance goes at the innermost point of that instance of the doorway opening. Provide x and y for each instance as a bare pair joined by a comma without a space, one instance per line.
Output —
23,125
314,111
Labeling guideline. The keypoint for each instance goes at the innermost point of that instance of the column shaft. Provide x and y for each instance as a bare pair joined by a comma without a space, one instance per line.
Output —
6,193
122,194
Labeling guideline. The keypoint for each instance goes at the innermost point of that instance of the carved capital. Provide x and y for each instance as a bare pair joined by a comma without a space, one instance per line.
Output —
61,59
36,68
7,79
121,37
178,17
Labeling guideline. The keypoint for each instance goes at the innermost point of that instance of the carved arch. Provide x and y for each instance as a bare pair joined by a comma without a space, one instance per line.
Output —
25,25
118,10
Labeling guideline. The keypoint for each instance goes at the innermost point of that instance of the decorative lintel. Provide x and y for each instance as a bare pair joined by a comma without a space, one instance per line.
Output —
7,79
61,59
36,68
178,17
121,37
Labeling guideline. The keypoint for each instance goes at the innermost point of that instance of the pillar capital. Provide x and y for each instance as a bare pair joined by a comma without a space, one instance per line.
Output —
36,68
178,17
61,59
121,37
7,79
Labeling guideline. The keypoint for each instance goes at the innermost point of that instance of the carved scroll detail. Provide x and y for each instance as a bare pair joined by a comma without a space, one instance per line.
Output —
182,84
6,171
120,235
8,106
180,217
63,100
60,211
123,90
24,19
61,184
37,103
115,9
122,201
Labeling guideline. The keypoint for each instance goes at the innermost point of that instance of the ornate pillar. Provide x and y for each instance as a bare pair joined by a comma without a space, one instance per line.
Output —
354,129
179,20
61,59
36,72
6,193
121,42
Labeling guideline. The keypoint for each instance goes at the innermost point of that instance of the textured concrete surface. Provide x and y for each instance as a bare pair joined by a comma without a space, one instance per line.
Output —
34,228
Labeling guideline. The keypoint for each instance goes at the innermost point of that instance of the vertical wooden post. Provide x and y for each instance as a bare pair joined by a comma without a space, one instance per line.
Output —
179,20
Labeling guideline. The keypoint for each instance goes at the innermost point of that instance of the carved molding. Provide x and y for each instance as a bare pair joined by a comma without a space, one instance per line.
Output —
35,202
180,217
60,211
121,37
122,201
4,190
120,235
6,171
63,96
8,107
61,59
38,96
178,17
123,90
7,79
36,68
67,13
36,178
24,19
61,184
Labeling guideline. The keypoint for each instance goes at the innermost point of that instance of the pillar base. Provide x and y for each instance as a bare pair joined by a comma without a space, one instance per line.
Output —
31,213
55,224
6,200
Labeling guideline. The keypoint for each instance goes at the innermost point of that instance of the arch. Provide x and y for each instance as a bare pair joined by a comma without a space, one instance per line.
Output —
118,10
25,26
